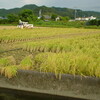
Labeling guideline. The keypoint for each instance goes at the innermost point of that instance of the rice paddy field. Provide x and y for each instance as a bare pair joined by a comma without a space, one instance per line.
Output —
60,51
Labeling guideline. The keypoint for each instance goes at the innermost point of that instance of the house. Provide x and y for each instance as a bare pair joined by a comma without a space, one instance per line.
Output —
92,18
47,17
57,18
85,18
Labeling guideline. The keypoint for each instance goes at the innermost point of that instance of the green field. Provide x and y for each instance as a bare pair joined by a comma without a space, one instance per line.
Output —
73,51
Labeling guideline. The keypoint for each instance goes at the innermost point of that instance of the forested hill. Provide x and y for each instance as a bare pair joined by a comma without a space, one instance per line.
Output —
51,10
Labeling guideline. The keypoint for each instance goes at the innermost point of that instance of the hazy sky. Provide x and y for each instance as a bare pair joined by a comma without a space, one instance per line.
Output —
79,4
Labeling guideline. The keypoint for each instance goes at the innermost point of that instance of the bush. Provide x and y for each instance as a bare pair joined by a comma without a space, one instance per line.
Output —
93,22
4,21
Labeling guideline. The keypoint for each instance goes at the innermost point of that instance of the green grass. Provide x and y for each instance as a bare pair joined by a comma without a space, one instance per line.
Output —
67,24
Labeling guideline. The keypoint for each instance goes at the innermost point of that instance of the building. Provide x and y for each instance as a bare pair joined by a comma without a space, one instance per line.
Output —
85,18
47,17
57,18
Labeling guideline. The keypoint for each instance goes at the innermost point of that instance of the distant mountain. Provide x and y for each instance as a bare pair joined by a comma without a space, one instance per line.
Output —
51,10
5,12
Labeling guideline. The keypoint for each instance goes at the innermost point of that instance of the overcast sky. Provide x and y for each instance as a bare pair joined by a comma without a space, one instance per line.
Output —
79,4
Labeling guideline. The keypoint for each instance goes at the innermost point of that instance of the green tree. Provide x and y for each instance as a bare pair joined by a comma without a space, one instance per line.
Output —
98,22
3,21
42,18
54,16
93,22
12,18
66,18
27,15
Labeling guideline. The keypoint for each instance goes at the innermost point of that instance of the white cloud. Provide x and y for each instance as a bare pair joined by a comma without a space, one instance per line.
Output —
42,2
31,1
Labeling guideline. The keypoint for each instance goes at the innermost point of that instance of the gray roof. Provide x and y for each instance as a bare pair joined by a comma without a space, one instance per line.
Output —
47,16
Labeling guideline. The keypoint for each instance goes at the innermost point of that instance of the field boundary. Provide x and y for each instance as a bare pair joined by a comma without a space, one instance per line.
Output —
68,85
10,50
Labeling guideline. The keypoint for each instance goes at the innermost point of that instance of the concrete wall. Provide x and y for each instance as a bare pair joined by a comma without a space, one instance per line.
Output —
68,85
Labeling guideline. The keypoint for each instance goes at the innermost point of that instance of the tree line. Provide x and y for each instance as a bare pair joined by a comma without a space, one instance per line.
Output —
93,22
29,16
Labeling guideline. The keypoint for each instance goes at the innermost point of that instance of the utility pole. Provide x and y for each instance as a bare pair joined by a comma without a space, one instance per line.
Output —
40,13
75,14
